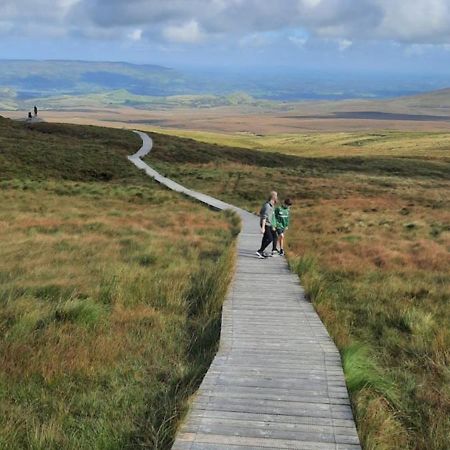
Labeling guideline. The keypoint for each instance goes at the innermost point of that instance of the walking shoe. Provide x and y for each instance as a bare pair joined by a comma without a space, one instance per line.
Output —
260,255
281,252
275,253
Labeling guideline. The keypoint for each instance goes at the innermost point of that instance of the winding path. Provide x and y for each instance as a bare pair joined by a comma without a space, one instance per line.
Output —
277,380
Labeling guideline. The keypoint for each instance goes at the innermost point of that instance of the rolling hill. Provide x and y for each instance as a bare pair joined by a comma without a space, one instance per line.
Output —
433,103
437,101
28,79
61,81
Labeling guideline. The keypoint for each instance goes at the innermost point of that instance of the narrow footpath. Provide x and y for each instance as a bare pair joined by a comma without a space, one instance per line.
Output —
277,380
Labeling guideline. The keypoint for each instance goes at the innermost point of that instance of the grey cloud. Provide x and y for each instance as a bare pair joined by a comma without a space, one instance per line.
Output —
412,21
117,13
53,12
240,16
26,17
416,21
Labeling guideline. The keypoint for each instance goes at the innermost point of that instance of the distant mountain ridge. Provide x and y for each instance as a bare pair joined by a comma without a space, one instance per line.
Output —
61,84
434,103
427,106
438,100
29,78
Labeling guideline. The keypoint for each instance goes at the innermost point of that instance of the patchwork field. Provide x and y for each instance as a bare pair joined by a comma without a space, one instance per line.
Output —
252,120
110,295
370,240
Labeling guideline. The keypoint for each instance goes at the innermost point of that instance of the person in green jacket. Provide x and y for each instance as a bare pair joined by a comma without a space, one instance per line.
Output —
281,219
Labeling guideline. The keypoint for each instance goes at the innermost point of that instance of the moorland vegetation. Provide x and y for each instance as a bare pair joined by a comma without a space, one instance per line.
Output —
110,292
370,240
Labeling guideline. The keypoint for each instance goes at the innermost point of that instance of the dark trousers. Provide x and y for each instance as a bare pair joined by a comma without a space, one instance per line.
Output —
269,237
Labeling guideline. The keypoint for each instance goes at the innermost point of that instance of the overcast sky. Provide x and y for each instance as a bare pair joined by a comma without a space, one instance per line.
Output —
396,35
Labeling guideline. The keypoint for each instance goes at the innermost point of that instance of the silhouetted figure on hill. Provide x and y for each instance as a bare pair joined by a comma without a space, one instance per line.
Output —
35,111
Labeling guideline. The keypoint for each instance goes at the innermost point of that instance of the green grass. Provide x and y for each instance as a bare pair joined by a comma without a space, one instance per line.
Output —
170,150
122,98
66,152
381,144
110,292
370,241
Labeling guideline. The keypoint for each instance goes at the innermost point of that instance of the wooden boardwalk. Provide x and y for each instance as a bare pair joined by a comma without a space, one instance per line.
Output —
277,380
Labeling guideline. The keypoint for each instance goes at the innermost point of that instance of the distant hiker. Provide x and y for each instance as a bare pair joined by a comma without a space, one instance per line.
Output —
29,115
267,224
282,216
35,111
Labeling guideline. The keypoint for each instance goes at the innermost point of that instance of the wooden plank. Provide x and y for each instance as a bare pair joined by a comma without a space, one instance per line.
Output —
277,380
265,425
252,430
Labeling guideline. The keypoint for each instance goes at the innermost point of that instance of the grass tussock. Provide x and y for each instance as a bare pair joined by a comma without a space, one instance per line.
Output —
110,294
370,240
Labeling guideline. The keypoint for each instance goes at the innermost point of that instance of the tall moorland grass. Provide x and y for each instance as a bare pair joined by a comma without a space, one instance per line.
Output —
110,293
370,240
319,144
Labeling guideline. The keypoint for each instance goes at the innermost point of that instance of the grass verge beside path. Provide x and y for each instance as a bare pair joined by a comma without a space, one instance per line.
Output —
110,292
370,239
